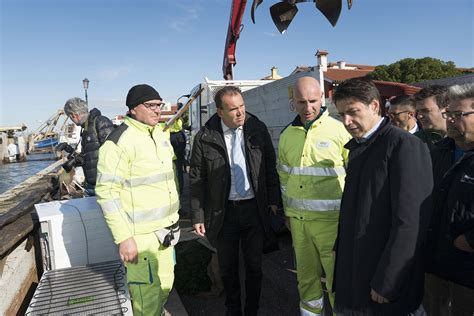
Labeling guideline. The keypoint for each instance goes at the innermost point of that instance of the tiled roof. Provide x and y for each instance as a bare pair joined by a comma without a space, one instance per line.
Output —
362,67
336,75
462,79
405,88
344,74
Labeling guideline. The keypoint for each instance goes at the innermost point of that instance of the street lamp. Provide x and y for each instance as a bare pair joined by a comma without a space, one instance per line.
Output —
85,83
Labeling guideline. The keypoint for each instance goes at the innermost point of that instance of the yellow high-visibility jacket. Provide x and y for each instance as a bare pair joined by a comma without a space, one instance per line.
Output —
177,126
311,166
136,184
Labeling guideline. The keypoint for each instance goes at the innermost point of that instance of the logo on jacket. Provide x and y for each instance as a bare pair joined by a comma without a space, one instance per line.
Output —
467,179
323,144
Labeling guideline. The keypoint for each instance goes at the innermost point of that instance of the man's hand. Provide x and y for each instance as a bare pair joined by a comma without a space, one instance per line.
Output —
128,251
461,243
200,229
376,297
273,208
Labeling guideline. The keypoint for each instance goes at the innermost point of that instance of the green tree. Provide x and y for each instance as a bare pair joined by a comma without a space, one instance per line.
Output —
411,70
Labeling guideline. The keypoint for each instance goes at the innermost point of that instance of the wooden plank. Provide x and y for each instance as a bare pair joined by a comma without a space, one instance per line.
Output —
16,207
22,299
15,232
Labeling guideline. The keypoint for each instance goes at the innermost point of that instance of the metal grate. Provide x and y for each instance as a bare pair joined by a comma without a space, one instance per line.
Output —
93,289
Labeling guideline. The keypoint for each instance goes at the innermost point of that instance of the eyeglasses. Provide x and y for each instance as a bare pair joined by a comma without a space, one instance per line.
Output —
394,115
454,115
153,106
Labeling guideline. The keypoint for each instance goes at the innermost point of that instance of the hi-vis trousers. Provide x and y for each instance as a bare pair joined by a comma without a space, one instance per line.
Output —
151,279
313,242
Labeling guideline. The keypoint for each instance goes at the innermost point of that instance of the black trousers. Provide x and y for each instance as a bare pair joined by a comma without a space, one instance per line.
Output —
241,227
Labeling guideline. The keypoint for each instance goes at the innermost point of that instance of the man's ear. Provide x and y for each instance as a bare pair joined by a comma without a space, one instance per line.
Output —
375,106
292,105
219,112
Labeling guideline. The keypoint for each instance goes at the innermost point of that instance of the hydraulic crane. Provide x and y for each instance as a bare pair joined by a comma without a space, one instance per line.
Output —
282,14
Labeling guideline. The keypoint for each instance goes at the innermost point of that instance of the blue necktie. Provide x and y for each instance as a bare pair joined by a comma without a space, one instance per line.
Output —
241,182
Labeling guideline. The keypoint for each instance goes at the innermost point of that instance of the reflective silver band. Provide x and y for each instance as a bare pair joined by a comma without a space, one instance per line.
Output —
110,206
313,171
160,177
106,178
153,214
314,205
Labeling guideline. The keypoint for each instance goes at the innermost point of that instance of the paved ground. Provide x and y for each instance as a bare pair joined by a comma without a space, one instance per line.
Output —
279,291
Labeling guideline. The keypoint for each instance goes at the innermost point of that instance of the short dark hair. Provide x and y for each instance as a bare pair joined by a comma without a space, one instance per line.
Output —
227,90
439,92
358,89
404,100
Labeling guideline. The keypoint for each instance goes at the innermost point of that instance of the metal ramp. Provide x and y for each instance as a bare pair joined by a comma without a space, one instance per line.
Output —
99,288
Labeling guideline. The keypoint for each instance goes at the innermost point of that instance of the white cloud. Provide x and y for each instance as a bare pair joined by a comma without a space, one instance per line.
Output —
109,103
188,13
271,34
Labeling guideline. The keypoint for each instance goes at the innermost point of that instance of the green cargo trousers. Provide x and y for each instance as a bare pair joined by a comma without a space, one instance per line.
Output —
151,279
313,242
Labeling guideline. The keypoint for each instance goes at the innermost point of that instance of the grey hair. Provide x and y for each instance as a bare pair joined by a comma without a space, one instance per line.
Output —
461,92
75,105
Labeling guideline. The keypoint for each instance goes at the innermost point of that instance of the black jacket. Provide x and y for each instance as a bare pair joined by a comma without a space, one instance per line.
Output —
442,156
178,141
210,173
383,221
95,132
454,209
428,137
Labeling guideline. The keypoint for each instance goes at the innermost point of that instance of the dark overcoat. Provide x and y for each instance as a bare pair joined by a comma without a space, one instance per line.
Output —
384,217
210,173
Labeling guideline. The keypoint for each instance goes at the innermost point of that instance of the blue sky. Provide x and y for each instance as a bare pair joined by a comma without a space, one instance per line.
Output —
49,46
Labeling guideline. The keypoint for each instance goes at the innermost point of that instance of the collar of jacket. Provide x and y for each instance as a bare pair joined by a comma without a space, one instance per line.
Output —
383,128
297,120
90,117
446,143
142,127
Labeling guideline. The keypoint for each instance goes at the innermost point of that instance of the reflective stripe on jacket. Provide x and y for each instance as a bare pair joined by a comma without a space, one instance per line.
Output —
135,184
311,168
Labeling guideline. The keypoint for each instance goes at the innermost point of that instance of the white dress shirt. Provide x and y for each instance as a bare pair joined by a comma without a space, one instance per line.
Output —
233,195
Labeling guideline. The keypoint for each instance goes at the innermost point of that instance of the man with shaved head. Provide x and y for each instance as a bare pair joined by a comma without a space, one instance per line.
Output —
311,166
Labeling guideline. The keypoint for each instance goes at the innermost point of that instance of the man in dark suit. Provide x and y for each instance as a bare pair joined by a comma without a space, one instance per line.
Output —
385,210
234,182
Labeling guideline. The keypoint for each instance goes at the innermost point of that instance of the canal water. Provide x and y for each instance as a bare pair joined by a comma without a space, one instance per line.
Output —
12,174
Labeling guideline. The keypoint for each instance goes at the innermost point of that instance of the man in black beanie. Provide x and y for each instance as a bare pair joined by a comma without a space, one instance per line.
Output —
137,193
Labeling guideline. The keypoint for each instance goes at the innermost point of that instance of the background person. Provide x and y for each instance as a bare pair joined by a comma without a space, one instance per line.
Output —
95,129
402,113
431,102
450,285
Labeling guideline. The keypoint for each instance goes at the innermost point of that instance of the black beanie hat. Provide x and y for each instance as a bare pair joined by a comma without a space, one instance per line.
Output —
141,93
